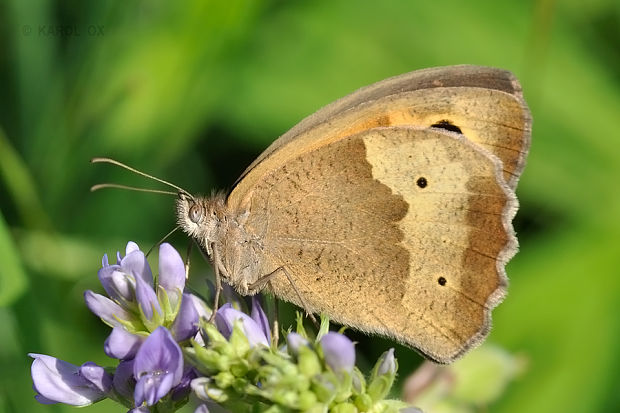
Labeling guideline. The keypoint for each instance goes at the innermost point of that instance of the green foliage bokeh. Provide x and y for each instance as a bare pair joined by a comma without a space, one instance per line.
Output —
193,91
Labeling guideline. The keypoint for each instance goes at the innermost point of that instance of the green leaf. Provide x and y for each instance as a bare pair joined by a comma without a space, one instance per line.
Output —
13,278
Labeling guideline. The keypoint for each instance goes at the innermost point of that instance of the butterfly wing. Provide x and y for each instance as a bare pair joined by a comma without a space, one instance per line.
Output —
486,104
399,231
335,202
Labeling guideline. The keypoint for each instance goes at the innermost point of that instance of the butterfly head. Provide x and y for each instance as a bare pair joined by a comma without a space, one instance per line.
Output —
200,217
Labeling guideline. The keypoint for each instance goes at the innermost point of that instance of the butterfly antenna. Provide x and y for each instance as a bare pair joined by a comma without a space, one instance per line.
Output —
129,168
131,188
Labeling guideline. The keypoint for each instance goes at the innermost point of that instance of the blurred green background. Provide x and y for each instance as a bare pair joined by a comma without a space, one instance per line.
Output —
193,91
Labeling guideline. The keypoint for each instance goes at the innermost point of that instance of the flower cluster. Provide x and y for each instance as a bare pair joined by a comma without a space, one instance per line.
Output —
167,349
148,319
304,375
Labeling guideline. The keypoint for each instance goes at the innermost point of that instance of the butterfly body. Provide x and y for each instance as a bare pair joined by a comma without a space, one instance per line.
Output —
390,209
221,235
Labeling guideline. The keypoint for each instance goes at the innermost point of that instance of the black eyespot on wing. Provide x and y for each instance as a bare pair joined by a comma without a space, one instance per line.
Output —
442,281
447,125
421,182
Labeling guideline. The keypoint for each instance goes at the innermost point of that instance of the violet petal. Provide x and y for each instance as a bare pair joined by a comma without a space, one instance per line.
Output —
57,381
226,317
259,316
135,263
338,351
121,344
105,308
157,368
96,376
171,269
201,307
147,299
43,399
388,364
152,387
123,380
116,283
185,324
294,341
182,390
131,247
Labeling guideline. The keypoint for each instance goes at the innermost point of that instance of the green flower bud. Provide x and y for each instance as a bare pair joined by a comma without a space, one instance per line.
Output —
224,379
209,360
325,387
238,341
217,395
308,362
166,307
344,408
345,386
275,409
363,402
357,381
379,387
285,397
382,376
133,325
307,399
317,408
239,368
215,338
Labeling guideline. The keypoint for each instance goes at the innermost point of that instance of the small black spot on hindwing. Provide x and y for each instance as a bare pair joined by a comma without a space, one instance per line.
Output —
422,182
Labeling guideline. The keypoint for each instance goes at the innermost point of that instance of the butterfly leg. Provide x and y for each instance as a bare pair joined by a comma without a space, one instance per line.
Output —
218,281
276,316
260,283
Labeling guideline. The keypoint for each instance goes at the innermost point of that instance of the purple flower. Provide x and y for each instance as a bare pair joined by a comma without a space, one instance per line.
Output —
147,300
118,279
158,367
106,309
116,283
182,390
388,364
259,316
294,341
185,324
57,381
131,247
338,351
225,318
201,307
171,269
121,344
123,380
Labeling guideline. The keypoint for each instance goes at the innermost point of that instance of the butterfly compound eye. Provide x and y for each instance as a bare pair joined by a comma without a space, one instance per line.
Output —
195,213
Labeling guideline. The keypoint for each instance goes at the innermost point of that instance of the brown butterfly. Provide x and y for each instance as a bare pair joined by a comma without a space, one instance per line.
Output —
390,209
